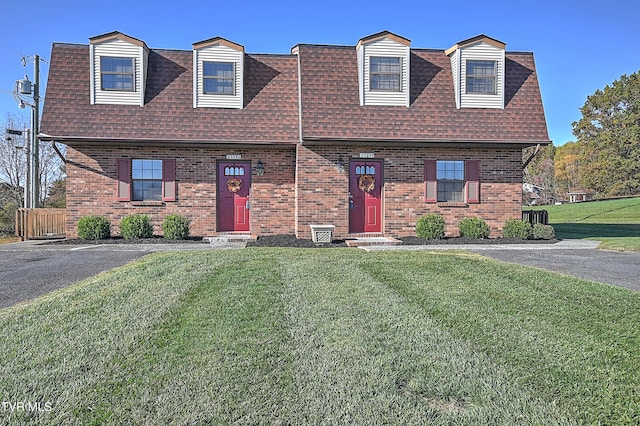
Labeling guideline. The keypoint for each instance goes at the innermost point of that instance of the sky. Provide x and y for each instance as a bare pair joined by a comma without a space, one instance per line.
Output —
579,45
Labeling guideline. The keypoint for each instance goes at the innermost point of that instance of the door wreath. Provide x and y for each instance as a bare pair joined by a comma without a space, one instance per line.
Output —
234,184
366,183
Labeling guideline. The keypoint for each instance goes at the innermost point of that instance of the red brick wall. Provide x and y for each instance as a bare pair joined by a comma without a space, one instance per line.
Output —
323,191
91,187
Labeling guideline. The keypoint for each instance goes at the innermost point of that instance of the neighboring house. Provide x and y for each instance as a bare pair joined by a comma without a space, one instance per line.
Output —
531,193
580,196
367,137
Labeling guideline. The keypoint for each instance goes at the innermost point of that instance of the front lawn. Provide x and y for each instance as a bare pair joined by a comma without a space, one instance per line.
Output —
616,223
297,336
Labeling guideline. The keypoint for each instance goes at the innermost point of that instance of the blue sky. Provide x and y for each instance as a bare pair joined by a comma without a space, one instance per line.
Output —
579,46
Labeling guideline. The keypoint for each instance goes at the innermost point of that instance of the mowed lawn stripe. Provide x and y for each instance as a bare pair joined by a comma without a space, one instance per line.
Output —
62,347
221,357
571,341
367,355
312,336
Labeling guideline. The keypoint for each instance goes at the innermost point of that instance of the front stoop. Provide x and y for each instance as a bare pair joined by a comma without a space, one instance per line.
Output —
230,238
372,241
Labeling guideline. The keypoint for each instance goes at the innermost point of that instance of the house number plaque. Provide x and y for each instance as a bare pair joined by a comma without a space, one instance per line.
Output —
367,155
234,156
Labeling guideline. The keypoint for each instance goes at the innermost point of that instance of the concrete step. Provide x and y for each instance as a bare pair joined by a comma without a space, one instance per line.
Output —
230,238
372,241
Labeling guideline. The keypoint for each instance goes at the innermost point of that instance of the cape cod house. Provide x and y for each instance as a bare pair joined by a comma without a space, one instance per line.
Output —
367,138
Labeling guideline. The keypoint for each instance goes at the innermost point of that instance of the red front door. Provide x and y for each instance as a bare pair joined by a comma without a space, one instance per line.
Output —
234,182
365,196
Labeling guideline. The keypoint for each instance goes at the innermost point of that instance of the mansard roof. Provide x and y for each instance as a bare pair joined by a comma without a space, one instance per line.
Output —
326,109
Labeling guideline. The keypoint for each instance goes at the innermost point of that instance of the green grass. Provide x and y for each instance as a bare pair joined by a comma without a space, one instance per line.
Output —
295,336
614,222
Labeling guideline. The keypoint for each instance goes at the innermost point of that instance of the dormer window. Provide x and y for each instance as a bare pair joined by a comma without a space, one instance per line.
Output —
218,78
385,74
478,71
118,69
383,70
117,73
218,74
481,77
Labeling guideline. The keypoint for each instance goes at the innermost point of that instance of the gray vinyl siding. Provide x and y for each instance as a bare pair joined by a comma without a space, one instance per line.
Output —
217,53
486,52
384,48
118,48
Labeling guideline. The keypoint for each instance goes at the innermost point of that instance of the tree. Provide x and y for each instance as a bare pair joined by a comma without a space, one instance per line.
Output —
568,167
540,172
13,162
609,132
13,159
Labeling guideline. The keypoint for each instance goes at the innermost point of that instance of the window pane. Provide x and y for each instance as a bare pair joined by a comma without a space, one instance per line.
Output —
117,73
385,73
218,69
119,65
385,65
481,76
385,82
217,85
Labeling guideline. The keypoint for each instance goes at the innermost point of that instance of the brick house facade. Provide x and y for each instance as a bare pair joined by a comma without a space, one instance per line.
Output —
367,138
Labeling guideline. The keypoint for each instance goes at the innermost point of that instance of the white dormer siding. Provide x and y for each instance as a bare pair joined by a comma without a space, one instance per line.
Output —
218,50
384,45
485,50
118,45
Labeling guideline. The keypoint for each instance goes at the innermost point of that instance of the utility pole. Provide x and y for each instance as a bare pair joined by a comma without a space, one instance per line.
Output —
35,131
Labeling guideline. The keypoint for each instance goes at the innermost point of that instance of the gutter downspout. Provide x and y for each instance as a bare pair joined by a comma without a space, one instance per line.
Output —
526,163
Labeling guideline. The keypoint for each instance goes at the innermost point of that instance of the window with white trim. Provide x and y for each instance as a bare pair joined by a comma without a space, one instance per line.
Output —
146,180
117,73
385,74
218,78
481,77
450,177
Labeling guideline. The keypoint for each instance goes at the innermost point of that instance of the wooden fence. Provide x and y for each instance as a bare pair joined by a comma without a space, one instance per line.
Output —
40,223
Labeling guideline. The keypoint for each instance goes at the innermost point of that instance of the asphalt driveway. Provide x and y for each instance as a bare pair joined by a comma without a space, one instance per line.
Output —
579,258
609,267
29,270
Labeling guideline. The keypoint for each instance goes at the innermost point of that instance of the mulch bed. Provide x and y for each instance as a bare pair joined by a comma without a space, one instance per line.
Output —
415,241
292,241
119,240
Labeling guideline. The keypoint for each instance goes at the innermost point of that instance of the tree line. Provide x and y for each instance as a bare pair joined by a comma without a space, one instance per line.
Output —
605,158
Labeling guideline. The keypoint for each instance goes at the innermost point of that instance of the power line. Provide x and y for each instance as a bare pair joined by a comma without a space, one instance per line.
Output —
11,50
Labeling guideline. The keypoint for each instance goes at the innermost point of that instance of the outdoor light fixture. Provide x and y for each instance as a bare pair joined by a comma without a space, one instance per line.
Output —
259,168
340,164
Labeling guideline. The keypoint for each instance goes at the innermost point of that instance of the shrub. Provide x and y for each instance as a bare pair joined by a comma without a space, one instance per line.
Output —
175,227
94,227
473,227
519,229
430,227
136,226
543,232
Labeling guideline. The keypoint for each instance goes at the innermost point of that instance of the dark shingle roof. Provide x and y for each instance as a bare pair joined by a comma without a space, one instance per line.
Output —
270,112
329,102
331,108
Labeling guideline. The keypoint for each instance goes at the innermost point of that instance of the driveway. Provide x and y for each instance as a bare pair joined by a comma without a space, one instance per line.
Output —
579,258
30,269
